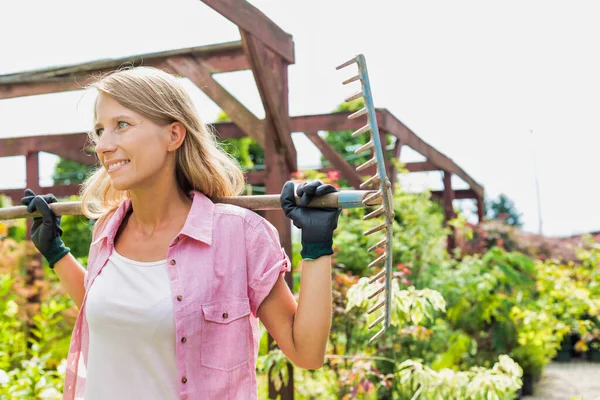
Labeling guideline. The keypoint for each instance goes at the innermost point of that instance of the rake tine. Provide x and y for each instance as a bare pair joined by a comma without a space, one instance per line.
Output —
378,260
375,229
372,180
374,214
366,165
377,335
375,279
377,321
375,293
355,96
366,146
359,113
378,245
349,62
362,130
373,196
376,307
350,80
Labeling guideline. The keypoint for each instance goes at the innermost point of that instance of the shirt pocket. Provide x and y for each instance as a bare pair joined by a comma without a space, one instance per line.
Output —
225,342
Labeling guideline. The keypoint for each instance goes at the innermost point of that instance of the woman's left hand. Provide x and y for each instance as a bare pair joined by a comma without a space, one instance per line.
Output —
317,224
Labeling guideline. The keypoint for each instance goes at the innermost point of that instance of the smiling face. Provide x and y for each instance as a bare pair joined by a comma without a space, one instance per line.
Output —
128,138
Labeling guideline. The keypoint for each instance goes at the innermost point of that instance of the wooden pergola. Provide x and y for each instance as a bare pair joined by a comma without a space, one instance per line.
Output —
266,50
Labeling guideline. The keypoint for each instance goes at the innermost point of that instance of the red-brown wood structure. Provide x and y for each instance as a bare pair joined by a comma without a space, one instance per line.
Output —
266,50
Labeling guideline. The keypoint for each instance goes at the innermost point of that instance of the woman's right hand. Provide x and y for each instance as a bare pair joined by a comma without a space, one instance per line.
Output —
46,230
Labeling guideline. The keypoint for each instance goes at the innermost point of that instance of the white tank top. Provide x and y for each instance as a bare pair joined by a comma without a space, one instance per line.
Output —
132,332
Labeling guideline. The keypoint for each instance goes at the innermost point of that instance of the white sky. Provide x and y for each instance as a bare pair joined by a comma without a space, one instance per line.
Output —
471,78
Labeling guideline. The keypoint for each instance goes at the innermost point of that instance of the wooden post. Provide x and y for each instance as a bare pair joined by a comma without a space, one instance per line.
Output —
34,272
480,209
393,172
448,210
271,75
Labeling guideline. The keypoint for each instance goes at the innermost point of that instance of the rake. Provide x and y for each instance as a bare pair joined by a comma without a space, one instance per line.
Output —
383,194
380,195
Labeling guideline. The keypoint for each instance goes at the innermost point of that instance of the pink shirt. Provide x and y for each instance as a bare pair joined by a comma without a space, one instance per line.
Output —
222,265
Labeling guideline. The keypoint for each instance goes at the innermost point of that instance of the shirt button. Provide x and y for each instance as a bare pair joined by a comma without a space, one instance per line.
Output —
225,315
177,239
184,379
183,339
179,298
172,262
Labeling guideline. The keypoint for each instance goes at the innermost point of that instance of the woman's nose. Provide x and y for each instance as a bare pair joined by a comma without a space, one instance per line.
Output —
105,144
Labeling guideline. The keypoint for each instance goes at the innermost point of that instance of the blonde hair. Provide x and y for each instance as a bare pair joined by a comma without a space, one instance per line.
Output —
200,163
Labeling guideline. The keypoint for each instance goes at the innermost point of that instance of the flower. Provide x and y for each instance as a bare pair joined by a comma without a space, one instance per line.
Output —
11,309
3,377
50,393
333,175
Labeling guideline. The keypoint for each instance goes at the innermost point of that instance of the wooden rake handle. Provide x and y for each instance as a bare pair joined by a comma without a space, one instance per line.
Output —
341,199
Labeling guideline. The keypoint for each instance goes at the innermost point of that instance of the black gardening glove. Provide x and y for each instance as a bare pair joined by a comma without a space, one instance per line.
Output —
317,224
46,230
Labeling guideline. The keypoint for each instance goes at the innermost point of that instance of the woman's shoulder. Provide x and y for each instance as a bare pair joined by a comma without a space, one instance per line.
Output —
228,212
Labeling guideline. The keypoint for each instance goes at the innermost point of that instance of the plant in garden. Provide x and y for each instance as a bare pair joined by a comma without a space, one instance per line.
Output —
33,340
418,381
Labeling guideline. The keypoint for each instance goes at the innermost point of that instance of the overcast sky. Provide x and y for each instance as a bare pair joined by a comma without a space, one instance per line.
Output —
471,78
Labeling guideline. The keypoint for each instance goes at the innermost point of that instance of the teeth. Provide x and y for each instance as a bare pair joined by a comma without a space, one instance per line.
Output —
116,165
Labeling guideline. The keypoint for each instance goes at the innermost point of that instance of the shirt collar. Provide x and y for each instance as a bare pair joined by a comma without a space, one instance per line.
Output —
198,224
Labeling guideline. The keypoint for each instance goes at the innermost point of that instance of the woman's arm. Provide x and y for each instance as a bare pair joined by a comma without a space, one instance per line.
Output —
301,329
71,275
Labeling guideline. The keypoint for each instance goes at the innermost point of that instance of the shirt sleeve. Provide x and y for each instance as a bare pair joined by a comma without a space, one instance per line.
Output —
266,261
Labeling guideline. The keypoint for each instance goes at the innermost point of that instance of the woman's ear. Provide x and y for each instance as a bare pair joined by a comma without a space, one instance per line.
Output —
177,134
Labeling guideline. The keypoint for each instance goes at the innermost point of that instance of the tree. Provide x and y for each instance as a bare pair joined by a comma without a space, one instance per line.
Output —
504,208
70,172
345,144
245,150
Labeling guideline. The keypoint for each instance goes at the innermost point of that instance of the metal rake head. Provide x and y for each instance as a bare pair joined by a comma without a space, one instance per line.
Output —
379,182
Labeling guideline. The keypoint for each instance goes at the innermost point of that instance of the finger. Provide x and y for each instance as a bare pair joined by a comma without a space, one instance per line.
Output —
47,214
287,198
50,198
325,189
29,192
26,200
310,188
308,192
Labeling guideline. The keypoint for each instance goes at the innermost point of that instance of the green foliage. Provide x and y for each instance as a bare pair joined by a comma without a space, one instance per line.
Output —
33,345
415,380
70,172
77,232
245,150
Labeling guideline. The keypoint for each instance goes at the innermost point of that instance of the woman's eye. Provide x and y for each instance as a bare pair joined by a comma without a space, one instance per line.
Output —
99,131
123,124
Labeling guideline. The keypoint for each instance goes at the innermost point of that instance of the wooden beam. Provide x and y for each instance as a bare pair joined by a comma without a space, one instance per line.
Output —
252,20
75,155
461,194
225,57
270,74
421,166
329,122
346,170
20,146
392,125
200,75
58,191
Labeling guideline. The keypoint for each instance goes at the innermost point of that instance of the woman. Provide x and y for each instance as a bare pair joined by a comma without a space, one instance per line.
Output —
175,283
